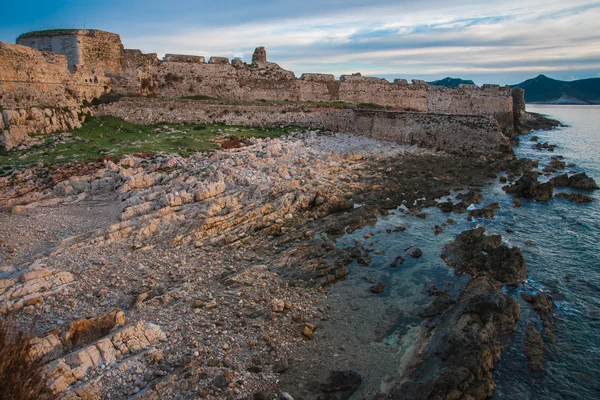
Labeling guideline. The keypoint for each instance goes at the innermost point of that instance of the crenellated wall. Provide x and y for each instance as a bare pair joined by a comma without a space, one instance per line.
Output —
43,91
179,76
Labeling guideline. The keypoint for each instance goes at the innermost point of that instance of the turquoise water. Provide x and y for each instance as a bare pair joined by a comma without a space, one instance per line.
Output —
558,239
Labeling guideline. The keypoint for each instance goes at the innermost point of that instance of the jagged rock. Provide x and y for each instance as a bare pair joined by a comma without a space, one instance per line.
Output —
534,347
528,186
488,211
86,330
72,370
475,253
377,288
582,181
472,197
560,180
576,197
541,303
36,282
463,347
416,253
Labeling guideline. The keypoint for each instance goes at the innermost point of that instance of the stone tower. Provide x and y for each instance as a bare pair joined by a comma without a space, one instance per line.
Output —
86,49
260,57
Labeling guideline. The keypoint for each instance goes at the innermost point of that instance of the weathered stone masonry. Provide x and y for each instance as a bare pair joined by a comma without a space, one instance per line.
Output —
456,134
42,91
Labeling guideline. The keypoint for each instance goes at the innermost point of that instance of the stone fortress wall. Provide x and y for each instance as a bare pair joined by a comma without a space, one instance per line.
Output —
48,76
179,76
428,130
40,94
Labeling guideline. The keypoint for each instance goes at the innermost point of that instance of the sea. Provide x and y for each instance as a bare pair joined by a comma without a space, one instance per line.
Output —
560,241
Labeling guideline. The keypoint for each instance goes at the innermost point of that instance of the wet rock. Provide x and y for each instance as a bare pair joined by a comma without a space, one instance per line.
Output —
502,179
576,197
397,262
488,211
529,187
463,347
582,181
541,303
534,347
439,305
472,197
560,180
534,138
340,385
261,396
446,206
416,253
475,253
377,288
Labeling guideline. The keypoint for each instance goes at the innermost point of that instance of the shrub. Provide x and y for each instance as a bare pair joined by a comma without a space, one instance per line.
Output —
20,376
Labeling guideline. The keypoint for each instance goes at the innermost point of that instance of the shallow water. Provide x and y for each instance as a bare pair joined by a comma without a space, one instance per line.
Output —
376,333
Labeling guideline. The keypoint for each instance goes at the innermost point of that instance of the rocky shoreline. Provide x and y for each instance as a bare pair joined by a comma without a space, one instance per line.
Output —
206,276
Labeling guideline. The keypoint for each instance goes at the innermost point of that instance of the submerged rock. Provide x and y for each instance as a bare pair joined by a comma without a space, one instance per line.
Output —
576,197
340,385
533,347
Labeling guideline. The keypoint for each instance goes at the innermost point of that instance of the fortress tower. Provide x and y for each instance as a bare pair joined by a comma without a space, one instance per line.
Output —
86,49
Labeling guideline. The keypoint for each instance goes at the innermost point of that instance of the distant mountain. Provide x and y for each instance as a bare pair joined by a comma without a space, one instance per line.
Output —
451,82
542,89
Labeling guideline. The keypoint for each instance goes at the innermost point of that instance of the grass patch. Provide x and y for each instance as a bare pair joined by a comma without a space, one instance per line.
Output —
109,137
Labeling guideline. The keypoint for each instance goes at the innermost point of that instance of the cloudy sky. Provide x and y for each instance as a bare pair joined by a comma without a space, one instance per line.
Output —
503,42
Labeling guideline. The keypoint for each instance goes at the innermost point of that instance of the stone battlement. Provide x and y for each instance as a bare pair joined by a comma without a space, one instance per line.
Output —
65,68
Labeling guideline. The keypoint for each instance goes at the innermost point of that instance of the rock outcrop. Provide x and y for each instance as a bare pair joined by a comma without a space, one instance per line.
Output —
528,186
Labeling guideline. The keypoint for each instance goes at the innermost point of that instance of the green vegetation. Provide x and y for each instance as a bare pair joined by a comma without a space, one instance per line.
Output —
109,137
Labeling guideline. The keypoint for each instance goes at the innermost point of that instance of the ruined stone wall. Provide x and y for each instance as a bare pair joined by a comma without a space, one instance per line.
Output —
85,49
489,100
38,93
177,77
456,134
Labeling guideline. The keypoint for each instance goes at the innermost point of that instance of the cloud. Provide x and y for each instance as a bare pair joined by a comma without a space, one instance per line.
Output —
498,40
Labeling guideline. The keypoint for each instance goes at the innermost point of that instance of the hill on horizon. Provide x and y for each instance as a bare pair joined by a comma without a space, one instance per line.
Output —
451,82
542,89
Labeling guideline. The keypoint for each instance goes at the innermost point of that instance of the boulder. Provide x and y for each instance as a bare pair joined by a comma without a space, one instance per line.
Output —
528,186
582,181
477,254
533,347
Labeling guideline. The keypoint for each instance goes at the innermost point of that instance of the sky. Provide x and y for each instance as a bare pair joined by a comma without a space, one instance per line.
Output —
502,42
